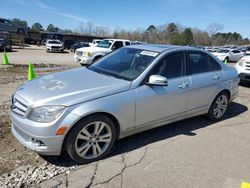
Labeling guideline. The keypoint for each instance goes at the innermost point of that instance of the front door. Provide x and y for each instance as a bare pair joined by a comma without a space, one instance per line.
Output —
157,104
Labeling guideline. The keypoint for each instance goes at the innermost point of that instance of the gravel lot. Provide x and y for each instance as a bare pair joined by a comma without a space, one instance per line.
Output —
191,153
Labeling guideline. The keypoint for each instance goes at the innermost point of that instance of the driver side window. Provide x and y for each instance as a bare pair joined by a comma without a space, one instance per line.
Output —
170,66
117,45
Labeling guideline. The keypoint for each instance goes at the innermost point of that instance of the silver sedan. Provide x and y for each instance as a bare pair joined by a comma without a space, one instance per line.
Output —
135,88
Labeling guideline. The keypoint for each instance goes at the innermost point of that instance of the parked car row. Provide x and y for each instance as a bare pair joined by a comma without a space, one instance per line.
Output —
241,55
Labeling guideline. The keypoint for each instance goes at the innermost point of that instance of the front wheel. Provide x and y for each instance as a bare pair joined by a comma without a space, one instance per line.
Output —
91,139
218,107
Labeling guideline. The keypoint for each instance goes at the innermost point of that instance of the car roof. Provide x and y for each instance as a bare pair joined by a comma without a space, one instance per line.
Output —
160,47
118,40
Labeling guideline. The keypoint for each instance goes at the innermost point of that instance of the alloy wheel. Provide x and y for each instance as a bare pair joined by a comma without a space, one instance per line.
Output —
93,140
220,106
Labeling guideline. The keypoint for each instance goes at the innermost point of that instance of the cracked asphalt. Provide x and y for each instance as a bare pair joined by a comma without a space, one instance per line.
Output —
192,153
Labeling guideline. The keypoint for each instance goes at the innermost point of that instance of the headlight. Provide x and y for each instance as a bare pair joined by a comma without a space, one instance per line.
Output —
87,54
45,114
240,62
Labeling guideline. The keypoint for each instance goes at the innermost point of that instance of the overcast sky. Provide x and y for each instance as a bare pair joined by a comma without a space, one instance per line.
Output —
131,14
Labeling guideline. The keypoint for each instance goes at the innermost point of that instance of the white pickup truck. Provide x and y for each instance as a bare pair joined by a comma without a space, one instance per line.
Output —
90,54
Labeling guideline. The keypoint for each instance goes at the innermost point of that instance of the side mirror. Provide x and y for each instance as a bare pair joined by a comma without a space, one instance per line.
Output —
113,48
157,80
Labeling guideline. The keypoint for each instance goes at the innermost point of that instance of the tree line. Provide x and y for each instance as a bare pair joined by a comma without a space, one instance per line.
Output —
171,33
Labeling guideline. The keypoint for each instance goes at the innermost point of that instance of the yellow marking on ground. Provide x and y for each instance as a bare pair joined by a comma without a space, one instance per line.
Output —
245,185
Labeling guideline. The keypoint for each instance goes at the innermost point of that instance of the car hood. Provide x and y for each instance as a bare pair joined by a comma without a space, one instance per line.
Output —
70,87
94,50
54,45
219,54
246,58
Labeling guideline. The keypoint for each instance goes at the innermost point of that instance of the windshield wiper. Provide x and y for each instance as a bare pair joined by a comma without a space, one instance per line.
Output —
108,73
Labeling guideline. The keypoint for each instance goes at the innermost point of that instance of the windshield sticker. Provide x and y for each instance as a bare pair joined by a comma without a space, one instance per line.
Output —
149,53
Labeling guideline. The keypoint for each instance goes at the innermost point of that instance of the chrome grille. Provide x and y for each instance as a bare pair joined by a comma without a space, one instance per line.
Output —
18,106
247,65
79,53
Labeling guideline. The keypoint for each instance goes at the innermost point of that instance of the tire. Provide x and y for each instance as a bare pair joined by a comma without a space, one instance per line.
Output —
218,106
91,139
20,31
226,59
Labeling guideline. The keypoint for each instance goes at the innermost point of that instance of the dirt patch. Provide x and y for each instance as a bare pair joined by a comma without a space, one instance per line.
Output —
13,154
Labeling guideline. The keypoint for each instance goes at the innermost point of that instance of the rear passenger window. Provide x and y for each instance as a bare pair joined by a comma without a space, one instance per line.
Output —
214,65
236,51
171,66
197,63
127,43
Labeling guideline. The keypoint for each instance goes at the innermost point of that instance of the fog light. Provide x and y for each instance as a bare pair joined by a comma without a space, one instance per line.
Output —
37,142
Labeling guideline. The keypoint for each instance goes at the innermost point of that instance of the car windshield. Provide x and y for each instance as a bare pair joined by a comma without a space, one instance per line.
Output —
105,43
54,42
124,63
223,51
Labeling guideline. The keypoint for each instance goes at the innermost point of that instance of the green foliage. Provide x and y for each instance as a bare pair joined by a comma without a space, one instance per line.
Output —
20,23
36,27
227,38
66,31
52,28
172,28
151,29
187,36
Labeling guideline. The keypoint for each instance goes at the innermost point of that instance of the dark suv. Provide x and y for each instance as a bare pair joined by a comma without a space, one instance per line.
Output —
7,25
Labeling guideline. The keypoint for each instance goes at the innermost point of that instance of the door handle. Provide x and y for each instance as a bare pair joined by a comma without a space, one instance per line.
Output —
216,77
183,85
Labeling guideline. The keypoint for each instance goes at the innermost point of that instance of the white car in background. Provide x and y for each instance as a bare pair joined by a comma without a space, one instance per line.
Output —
94,43
54,46
247,50
89,55
243,68
229,55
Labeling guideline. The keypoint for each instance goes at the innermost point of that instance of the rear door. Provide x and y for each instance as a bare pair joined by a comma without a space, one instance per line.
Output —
206,75
236,55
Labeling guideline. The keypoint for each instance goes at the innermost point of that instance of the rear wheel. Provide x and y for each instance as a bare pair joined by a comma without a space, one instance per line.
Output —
218,107
20,31
91,139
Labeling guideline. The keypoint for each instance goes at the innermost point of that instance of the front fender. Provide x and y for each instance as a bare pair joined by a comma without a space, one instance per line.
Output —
120,105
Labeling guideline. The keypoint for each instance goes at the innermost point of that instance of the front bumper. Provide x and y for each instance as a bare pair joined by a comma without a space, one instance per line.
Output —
244,77
41,137
243,74
83,59
51,49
